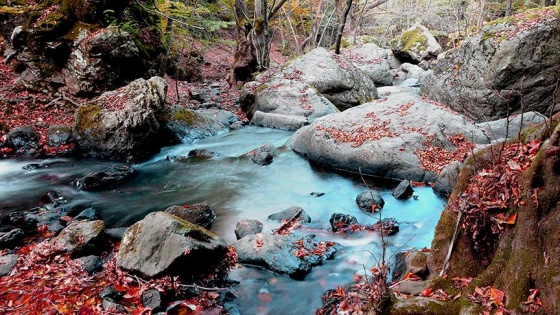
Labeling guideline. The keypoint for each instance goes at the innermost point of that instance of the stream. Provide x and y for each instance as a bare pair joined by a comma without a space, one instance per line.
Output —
236,188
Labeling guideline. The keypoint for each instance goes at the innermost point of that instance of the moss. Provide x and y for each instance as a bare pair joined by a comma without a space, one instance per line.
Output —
12,10
187,116
89,120
429,307
414,40
487,35
78,28
445,284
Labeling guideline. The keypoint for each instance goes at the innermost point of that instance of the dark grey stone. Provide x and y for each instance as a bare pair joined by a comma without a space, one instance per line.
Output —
369,199
404,190
290,213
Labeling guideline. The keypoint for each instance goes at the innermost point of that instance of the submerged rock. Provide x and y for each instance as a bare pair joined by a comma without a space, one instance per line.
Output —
263,155
188,125
164,244
105,179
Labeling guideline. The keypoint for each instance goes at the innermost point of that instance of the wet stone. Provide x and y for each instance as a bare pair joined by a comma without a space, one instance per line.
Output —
115,233
246,227
404,190
290,213
105,179
88,214
199,214
370,200
340,221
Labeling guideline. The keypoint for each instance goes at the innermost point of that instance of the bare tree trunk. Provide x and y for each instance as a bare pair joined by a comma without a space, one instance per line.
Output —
252,52
244,58
508,7
343,17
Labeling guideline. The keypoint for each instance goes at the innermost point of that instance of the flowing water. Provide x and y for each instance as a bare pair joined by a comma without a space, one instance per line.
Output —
235,188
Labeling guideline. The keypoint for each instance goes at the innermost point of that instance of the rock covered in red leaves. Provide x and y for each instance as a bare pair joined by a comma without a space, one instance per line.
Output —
284,253
79,236
127,124
163,244
402,136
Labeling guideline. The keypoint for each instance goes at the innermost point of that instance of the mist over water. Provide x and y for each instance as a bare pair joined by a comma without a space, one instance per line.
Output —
236,188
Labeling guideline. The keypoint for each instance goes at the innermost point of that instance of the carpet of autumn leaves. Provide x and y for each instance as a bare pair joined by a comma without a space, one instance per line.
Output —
46,282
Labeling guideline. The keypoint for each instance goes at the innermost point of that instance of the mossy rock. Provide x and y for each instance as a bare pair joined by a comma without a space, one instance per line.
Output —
414,39
422,305
187,116
525,255
89,121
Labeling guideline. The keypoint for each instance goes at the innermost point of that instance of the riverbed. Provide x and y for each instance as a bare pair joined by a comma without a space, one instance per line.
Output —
236,188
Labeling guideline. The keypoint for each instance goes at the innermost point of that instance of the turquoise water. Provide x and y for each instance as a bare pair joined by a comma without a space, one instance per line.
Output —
236,188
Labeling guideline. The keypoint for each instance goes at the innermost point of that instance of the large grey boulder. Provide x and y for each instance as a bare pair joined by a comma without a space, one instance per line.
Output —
416,44
506,128
164,244
127,124
313,85
102,61
509,62
283,253
385,138
372,60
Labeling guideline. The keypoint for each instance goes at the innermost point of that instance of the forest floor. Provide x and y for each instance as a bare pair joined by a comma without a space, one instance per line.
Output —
19,107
